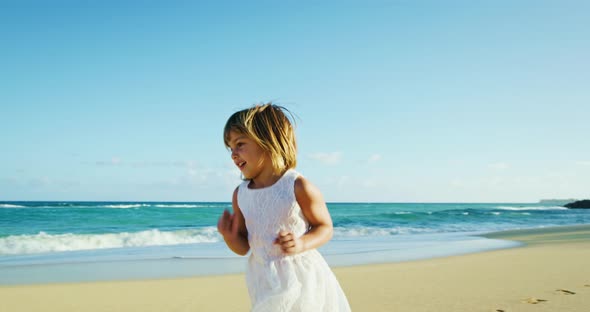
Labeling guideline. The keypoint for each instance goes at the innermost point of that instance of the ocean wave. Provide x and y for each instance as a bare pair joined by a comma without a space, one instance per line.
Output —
188,206
43,242
113,205
123,206
530,208
343,232
11,206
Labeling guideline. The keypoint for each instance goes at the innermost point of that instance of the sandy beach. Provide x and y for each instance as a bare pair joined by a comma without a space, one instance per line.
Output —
549,273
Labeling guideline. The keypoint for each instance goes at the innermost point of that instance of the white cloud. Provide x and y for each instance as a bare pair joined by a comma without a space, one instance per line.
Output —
116,161
369,183
374,158
343,181
499,166
583,163
40,182
495,181
458,183
327,158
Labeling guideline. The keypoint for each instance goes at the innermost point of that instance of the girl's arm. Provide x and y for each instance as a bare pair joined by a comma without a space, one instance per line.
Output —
314,208
233,228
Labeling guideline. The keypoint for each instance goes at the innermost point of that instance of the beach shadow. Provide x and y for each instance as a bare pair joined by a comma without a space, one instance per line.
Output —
533,300
565,291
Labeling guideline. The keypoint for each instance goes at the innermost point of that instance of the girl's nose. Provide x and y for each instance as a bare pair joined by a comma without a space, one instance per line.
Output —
234,155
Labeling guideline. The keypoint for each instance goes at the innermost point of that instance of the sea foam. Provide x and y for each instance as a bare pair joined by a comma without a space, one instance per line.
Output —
43,242
123,206
531,208
11,206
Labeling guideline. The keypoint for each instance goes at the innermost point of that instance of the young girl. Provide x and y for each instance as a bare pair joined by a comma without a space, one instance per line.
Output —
279,215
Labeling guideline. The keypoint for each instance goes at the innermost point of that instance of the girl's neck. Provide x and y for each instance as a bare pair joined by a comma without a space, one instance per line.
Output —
266,178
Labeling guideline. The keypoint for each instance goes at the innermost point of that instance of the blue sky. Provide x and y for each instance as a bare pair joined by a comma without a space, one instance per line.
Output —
403,101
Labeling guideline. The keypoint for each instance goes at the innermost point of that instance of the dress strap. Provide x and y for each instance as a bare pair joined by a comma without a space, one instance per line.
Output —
291,176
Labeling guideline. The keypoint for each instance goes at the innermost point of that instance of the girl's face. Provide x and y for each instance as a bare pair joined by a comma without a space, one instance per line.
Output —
248,156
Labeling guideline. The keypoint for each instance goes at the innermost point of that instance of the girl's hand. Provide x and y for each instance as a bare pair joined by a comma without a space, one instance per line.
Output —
227,225
290,244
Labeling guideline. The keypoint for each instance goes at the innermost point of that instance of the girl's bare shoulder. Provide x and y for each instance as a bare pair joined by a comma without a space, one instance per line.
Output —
304,189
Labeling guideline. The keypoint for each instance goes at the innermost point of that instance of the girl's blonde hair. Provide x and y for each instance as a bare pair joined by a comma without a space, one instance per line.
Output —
271,127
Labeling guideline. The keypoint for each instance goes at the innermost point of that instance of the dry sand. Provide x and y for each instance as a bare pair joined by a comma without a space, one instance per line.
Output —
551,273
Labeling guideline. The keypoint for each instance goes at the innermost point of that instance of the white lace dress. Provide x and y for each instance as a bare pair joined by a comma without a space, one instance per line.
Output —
302,282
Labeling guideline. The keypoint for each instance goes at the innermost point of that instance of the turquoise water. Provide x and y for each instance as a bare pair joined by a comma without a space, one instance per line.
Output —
159,239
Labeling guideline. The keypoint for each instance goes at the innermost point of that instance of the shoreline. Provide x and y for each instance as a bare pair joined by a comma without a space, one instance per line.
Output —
549,259
546,235
186,261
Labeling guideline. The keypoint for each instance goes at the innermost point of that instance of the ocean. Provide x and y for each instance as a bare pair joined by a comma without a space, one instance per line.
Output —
48,242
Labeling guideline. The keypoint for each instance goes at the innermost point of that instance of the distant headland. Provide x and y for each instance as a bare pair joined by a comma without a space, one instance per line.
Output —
580,204
557,202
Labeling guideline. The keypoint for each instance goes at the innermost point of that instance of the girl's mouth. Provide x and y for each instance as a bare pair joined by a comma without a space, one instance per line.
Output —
241,165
